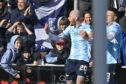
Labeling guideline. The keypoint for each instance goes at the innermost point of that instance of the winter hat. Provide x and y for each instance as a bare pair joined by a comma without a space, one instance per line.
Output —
60,42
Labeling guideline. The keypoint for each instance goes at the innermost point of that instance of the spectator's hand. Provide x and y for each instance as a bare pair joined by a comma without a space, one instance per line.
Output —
10,29
23,24
29,32
27,11
2,22
17,76
83,34
35,63
46,27
16,23
8,24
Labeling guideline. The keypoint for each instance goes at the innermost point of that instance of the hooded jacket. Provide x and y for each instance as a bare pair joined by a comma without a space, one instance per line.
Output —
10,56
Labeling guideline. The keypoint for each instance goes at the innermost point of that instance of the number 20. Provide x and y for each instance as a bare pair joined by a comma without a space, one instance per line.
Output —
83,68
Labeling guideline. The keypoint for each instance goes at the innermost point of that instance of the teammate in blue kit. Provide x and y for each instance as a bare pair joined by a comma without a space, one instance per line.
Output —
113,32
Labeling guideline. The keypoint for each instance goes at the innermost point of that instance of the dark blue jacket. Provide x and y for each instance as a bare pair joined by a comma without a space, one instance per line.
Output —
18,15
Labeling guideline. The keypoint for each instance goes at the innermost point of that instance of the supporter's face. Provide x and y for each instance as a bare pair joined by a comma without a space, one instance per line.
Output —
1,5
20,30
21,4
110,16
59,47
62,27
26,55
17,44
87,18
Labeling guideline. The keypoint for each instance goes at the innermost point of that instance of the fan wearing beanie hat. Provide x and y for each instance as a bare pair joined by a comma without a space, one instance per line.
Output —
59,53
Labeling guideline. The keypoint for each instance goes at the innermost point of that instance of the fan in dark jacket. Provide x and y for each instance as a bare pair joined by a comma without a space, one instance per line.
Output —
26,58
27,35
23,13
